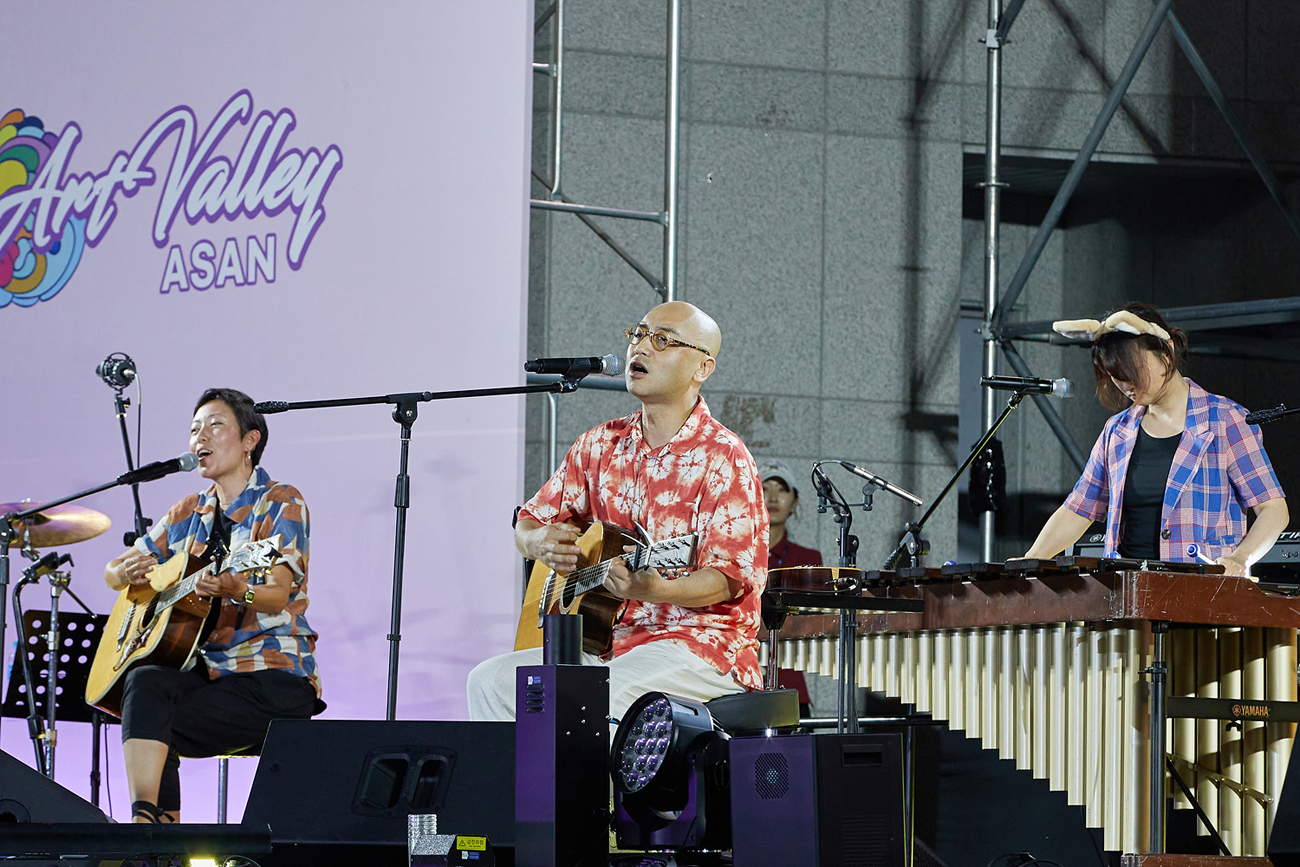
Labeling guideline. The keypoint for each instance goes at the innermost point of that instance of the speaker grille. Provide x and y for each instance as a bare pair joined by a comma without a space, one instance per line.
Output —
866,841
771,776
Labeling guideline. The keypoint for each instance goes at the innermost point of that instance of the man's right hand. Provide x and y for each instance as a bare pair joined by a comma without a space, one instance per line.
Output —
552,544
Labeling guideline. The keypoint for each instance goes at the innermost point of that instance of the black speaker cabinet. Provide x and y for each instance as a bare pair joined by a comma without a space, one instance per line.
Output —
562,785
342,789
817,801
1284,842
28,796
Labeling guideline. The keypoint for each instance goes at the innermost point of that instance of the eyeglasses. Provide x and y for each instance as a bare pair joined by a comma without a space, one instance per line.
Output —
658,339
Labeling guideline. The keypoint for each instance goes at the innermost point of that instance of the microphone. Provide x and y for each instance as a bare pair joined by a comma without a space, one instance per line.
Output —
267,407
821,484
44,566
181,463
1029,385
117,371
881,483
575,368
1264,416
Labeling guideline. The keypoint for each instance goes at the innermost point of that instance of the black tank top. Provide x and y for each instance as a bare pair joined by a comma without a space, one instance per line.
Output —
1144,495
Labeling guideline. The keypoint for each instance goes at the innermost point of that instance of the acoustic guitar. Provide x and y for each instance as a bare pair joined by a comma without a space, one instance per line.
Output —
161,623
581,591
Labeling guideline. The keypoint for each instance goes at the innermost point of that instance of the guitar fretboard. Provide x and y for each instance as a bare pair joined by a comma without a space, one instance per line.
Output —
250,555
675,553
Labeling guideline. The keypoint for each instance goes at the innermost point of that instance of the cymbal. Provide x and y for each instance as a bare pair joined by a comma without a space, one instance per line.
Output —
60,525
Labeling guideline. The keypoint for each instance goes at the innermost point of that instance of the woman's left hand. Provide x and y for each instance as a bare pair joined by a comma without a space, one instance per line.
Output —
1232,566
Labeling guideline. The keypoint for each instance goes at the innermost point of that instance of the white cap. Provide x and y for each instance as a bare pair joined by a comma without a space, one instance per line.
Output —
774,469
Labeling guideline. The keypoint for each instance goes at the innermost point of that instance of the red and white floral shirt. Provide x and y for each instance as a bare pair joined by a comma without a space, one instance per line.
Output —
702,480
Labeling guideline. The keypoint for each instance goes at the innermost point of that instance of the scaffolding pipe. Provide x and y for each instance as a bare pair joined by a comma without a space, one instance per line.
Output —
1073,177
598,210
992,220
1234,123
557,73
672,99
553,435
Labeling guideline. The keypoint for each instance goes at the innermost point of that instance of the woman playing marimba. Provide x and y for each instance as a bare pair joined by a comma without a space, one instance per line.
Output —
1174,472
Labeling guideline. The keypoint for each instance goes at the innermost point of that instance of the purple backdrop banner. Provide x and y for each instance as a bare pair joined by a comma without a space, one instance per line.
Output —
303,200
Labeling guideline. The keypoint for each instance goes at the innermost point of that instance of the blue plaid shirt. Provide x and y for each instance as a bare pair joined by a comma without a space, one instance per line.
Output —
1219,471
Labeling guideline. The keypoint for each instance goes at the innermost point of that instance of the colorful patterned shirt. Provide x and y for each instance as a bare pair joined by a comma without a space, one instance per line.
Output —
702,480
245,640
1219,470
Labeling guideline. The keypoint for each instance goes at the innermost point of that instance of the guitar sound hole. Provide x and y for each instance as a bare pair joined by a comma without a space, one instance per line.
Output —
147,619
568,594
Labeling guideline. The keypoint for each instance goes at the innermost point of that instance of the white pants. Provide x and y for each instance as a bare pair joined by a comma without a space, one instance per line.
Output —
660,666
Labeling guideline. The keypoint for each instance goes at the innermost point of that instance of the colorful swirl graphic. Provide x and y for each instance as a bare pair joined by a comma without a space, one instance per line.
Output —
27,275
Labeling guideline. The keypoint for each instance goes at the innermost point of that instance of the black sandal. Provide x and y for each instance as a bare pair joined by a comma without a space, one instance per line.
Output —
151,812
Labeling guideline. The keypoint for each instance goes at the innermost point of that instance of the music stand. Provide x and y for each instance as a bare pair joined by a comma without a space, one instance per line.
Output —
79,635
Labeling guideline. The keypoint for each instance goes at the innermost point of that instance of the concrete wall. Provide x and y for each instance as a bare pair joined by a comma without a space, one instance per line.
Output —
821,222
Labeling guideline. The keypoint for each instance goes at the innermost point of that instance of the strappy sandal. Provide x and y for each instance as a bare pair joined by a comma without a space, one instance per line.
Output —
150,812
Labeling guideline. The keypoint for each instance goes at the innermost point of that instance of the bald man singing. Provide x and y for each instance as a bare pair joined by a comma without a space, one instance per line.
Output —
673,469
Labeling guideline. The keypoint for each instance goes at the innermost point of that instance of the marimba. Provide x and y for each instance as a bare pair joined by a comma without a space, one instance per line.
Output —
1052,665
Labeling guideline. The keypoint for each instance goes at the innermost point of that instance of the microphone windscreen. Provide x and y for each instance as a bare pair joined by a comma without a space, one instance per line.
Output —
188,461
610,364
1063,388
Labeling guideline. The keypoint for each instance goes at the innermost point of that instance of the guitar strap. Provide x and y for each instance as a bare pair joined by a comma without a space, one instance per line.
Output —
219,540
218,550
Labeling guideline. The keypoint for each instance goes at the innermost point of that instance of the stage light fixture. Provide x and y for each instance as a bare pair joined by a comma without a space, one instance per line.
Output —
669,764
651,750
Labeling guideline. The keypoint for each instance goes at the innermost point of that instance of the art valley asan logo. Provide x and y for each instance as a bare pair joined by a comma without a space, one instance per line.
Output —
48,215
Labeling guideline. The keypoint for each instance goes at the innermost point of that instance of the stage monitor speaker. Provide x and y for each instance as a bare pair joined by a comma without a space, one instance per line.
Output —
1284,842
28,796
342,789
817,801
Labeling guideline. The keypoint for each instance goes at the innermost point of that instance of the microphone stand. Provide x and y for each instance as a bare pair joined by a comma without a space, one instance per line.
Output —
43,731
405,413
912,545
828,496
8,533
1264,416
141,522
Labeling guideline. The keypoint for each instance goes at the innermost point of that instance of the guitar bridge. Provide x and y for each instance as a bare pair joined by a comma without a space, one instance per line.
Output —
126,626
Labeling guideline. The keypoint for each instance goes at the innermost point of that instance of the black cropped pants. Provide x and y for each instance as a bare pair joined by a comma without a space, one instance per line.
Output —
198,718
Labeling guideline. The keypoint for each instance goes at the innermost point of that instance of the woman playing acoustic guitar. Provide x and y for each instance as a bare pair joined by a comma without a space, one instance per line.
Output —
257,663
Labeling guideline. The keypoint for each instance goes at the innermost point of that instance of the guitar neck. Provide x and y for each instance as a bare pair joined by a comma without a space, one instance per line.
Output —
659,555
180,589
249,555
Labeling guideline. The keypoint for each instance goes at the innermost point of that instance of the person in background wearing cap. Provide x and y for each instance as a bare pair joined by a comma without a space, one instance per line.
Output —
781,497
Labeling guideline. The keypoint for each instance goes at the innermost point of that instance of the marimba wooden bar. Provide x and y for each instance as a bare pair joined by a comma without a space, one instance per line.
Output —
1051,666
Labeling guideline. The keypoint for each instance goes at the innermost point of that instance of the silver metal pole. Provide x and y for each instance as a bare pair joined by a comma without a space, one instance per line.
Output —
223,788
992,219
848,649
598,210
557,71
1156,734
1238,128
553,434
1072,177
672,98
58,582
